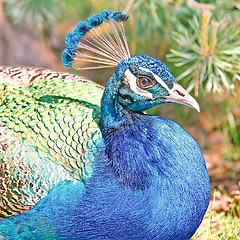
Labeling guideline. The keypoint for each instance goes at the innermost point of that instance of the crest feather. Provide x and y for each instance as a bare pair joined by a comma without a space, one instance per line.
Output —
100,41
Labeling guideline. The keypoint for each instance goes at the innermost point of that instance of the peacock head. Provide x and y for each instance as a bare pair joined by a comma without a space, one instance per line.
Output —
145,82
140,82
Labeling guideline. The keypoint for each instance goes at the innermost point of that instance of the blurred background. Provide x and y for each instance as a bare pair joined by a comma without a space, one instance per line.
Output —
199,41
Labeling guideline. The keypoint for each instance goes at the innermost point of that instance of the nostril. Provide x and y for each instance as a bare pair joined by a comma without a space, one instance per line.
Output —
180,93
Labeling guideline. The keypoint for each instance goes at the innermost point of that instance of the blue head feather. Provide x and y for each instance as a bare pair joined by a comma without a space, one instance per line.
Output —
145,61
119,93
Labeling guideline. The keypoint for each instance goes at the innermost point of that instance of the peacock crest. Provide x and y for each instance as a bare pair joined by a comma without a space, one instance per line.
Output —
100,41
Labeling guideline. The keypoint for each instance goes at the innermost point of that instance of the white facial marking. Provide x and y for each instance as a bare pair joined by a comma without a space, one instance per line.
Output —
132,80
158,79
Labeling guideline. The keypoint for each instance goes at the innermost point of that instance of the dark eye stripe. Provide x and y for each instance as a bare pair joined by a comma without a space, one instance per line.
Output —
145,82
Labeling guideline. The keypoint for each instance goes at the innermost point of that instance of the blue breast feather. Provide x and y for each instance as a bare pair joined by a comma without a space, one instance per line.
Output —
165,197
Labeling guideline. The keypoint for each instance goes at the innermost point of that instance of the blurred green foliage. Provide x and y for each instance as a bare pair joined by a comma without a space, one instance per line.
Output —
37,14
208,53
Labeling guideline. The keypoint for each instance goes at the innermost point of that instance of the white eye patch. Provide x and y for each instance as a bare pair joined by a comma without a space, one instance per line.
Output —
132,81
157,78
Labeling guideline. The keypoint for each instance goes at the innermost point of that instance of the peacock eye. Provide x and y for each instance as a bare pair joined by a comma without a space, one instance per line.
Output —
145,82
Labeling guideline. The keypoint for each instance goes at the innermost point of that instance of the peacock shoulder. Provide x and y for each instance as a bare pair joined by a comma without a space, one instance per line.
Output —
48,133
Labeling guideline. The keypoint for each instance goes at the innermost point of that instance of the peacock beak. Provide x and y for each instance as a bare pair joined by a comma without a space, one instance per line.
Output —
178,94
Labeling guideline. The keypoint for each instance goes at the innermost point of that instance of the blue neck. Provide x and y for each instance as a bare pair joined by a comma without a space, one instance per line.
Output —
112,112
115,124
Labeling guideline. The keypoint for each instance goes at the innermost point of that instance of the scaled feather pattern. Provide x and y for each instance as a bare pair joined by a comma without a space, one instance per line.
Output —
82,162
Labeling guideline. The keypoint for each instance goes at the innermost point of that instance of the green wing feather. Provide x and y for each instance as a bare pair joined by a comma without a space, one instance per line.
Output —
48,133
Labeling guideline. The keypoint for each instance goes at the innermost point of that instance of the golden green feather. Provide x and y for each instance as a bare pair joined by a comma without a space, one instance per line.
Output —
55,121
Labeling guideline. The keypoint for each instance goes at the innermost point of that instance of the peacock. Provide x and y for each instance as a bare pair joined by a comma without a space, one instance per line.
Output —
78,161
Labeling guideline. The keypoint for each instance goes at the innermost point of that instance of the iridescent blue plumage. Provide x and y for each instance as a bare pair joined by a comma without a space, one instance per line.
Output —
148,180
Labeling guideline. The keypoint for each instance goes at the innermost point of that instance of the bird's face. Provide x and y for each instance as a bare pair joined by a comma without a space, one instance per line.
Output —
146,82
